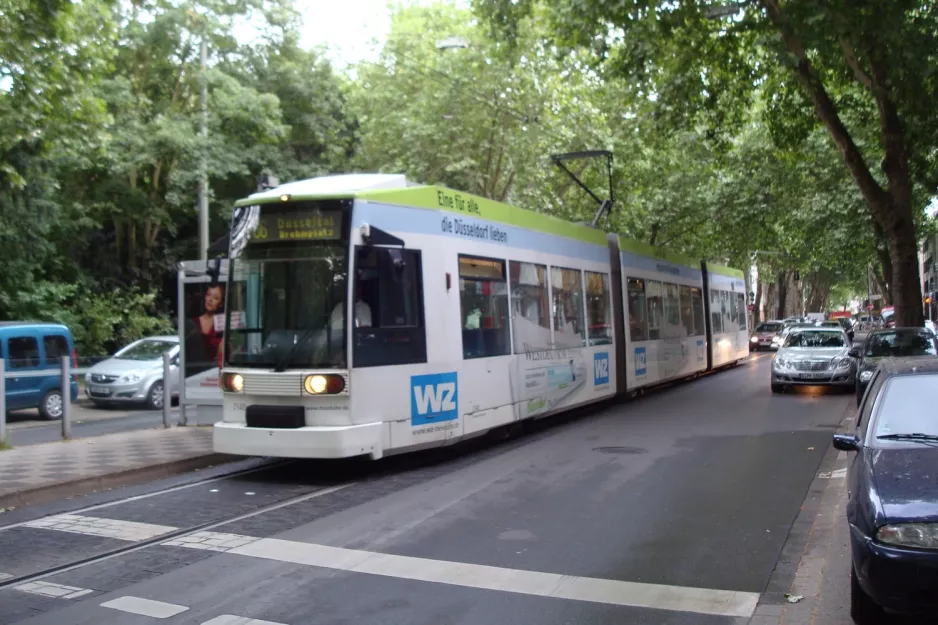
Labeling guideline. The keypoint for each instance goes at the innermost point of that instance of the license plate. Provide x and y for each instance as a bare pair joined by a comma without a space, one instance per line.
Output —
814,376
100,390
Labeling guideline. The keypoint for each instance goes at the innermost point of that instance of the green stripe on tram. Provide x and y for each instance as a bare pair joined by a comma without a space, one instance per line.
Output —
725,271
441,198
643,249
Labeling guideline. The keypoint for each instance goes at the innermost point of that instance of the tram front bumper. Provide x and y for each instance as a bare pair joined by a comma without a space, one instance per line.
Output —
306,442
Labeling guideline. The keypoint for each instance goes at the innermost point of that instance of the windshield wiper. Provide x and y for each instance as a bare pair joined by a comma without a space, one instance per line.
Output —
281,365
913,436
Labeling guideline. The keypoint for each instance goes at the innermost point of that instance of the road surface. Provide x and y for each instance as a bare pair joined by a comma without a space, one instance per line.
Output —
674,508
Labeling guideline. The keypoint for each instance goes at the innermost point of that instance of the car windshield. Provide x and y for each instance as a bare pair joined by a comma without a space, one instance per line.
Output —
908,404
815,339
768,327
901,343
151,349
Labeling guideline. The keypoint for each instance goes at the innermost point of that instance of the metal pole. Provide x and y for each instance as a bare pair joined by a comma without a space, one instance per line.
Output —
167,390
203,179
3,403
66,399
869,294
181,312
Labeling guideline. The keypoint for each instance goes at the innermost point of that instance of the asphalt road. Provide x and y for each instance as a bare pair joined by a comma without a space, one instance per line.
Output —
670,509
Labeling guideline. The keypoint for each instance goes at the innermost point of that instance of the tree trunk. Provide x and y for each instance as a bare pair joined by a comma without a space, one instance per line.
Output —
782,294
758,306
906,287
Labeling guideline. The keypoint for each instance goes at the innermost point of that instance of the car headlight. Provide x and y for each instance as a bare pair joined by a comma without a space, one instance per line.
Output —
920,535
133,376
754,339
780,363
866,376
843,363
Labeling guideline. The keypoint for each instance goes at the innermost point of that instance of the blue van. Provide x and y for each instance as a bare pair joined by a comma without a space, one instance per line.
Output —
32,354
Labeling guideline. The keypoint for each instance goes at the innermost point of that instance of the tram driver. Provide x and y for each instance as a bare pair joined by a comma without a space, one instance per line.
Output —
362,317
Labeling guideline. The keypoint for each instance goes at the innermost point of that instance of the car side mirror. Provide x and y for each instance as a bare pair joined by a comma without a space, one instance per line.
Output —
854,352
846,442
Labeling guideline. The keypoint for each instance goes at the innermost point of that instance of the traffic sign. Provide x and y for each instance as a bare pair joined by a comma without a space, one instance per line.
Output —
869,307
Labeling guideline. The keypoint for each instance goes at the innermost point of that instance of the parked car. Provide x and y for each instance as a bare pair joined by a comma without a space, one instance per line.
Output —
891,343
763,334
892,493
813,356
135,374
32,354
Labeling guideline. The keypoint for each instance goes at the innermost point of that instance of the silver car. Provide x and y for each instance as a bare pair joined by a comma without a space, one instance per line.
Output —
814,356
135,374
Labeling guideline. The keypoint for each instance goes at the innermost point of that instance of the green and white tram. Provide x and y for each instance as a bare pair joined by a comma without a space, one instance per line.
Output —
370,316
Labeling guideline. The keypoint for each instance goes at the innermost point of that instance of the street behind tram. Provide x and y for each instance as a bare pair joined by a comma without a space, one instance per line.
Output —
711,501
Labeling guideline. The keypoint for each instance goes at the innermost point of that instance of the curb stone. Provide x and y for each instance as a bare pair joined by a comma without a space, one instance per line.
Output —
829,490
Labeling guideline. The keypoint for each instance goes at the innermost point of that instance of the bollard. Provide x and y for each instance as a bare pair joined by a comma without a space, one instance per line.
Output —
167,390
3,403
66,399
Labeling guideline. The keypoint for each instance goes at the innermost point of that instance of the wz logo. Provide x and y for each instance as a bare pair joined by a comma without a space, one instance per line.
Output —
433,398
600,368
641,361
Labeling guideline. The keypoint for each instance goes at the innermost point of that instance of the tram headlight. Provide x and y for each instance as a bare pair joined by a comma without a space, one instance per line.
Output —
231,382
319,384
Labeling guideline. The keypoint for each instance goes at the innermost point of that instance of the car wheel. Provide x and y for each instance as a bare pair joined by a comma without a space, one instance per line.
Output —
863,610
778,388
156,396
52,405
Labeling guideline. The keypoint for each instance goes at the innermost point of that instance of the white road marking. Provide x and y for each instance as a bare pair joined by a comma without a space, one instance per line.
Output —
145,607
657,596
211,541
229,619
94,526
833,475
48,589
4,576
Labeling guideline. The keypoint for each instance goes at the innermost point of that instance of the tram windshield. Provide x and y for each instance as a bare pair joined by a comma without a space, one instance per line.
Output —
287,297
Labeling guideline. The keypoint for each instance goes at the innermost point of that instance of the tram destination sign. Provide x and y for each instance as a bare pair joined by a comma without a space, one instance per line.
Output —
300,225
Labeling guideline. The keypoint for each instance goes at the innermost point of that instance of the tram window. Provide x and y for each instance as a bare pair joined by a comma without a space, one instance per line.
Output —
530,307
697,299
655,294
388,326
716,312
741,311
598,309
687,311
728,306
638,318
483,300
672,312
566,287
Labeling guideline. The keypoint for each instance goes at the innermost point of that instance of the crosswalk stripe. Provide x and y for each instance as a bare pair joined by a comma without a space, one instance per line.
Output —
94,526
613,592
230,619
145,607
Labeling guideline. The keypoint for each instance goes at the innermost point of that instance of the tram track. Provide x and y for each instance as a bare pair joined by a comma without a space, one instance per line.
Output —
162,538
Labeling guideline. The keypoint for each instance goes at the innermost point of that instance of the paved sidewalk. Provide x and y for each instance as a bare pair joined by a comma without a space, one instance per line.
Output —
46,471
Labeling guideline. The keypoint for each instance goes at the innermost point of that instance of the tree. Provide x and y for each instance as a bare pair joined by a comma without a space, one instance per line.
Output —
856,68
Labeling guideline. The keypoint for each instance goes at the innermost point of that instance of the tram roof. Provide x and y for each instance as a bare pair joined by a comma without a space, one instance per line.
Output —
397,190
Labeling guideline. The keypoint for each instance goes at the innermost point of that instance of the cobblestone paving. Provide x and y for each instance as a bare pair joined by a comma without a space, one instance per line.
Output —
48,464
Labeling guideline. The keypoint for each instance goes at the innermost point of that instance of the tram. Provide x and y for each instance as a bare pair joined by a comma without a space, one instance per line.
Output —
366,315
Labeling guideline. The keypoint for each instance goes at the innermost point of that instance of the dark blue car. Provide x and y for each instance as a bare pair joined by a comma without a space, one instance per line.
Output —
892,483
